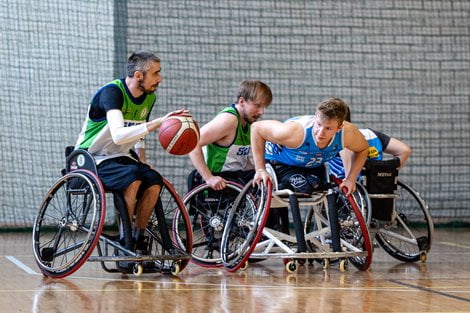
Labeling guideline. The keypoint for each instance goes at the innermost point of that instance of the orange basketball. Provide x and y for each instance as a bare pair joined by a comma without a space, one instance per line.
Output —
178,135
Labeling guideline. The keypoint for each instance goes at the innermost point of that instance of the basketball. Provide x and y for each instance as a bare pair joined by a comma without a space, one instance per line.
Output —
178,135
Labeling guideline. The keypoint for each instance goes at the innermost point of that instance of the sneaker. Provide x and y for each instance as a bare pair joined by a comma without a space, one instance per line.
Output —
125,266
142,245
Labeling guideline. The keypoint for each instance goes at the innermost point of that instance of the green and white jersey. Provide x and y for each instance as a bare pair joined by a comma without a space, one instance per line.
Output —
235,157
96,135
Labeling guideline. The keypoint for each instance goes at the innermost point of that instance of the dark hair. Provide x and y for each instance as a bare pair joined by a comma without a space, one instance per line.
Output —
333,108
256,91
140,61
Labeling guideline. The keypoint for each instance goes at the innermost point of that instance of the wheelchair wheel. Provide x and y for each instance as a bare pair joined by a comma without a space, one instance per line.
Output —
69,223
353,232
244,225
169,232
361,196
208,209
409,234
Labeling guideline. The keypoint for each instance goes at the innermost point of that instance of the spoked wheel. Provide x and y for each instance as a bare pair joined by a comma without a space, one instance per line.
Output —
353,232
69,223
169,232
245,223
409,235
208,211
361,196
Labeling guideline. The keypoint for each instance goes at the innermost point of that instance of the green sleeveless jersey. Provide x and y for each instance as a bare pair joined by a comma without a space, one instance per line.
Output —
96,136
237,156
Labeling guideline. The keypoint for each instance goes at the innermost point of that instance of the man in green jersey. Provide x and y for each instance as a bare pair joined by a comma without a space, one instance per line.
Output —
116,123
227,148
226,138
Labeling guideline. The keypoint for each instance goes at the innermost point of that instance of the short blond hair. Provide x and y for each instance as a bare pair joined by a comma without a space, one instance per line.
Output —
332,108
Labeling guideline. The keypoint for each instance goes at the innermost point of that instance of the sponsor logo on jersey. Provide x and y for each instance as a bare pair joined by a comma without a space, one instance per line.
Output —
243,150
132,123
373,152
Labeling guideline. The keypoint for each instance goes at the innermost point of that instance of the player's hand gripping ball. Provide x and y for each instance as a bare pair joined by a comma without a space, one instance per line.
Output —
178,135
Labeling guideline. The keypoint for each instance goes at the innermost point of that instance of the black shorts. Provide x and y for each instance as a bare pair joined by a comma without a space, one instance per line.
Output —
117,174
299,179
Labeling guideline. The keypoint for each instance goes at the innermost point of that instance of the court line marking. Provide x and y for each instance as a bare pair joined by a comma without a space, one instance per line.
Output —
452,244
429,290
21,265
28,270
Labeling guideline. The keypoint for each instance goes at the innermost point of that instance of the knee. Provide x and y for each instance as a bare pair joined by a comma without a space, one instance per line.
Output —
153,178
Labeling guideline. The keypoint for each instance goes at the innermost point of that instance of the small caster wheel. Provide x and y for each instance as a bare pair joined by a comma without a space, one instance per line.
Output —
138,269
325,263
175,268
291,266
343,265
310,261
244,266
423,256
301,261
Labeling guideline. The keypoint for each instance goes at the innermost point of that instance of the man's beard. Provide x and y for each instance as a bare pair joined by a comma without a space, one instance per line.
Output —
250,119
145,90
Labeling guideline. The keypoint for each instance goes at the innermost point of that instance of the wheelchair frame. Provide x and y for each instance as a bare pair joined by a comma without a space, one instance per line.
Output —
407,236
70,224
350,239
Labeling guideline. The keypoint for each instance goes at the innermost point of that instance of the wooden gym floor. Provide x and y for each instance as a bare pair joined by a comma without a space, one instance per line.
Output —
442,284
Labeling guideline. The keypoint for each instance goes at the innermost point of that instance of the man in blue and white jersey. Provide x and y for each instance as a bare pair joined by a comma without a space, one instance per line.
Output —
300,147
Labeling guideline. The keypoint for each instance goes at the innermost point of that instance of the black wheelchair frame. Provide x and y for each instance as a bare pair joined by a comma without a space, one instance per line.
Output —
399,217
70,224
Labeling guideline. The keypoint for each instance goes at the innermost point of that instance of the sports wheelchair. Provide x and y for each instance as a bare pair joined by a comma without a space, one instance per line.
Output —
399,217
208,209
334,227
71,223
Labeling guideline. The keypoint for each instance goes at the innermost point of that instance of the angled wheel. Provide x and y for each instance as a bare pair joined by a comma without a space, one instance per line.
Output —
353,233
361,196
208,212
169,232
69,223
409,234
244,225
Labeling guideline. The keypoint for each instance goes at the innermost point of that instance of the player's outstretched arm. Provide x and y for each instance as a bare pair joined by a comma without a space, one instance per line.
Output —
399,149
357,144
288,134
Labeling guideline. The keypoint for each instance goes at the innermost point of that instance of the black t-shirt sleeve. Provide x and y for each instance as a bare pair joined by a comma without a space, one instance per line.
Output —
109,98
385,139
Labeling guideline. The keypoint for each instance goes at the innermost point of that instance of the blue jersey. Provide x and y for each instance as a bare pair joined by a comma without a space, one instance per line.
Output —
377,143
307,154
